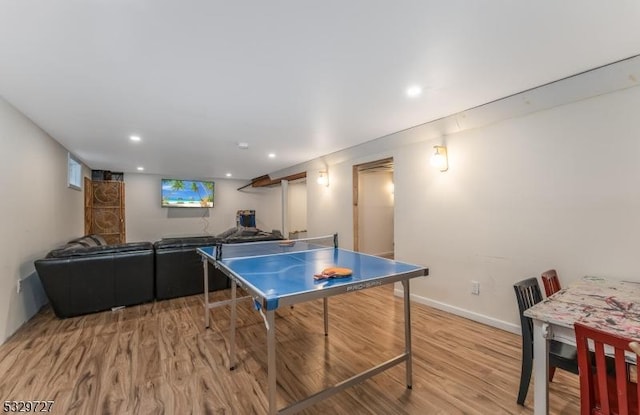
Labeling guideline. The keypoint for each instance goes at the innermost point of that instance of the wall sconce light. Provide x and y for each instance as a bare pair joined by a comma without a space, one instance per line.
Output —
323,178
439,159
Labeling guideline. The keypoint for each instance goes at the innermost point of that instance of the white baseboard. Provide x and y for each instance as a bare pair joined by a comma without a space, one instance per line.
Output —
480,318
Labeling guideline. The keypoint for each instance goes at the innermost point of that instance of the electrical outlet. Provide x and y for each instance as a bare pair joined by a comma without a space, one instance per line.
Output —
475,287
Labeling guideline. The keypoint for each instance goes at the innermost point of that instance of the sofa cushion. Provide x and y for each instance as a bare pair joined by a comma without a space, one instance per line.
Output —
243,232
65,250
227,233
77,250
252,237
188,242
99,239
89,240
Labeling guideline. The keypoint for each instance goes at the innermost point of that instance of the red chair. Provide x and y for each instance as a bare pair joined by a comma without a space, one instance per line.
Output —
602,391
551,282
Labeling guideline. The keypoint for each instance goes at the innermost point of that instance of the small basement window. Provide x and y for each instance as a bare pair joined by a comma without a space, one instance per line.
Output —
74,176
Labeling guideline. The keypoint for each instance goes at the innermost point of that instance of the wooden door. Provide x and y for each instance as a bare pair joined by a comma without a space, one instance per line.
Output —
104,210
88,199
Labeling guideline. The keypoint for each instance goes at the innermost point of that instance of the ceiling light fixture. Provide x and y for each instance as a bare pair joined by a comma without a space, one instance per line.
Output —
414,91
140,168
135,138
272,155
243,146
228,174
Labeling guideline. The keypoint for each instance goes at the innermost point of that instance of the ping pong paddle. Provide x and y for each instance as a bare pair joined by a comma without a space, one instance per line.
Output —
333,272
287,243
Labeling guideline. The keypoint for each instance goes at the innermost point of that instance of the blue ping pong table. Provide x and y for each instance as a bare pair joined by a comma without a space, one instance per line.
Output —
278,274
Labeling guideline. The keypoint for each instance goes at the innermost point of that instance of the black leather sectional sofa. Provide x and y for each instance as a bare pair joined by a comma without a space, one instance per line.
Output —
87,275
179,268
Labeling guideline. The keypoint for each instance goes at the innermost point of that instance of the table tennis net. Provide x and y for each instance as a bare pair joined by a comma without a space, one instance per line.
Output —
262,248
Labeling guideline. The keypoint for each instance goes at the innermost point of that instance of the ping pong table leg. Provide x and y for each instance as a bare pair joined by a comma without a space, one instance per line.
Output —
325,302
271,361
407,331
205,264
232,336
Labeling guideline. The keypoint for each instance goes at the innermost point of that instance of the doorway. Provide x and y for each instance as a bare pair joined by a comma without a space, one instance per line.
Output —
373,208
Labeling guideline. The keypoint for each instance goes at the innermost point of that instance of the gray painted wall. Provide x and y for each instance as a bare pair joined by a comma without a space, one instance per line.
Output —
146,220
38,212
544,179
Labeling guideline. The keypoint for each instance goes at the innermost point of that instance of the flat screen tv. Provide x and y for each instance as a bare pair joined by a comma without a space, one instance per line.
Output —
187,193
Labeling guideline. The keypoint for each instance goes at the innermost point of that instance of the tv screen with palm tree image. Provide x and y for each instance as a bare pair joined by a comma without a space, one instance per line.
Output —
187,193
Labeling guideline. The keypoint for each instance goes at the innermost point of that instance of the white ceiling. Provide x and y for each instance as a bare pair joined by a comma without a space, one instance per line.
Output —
297,78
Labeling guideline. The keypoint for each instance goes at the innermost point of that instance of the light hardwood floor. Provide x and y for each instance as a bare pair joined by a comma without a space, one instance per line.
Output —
157,358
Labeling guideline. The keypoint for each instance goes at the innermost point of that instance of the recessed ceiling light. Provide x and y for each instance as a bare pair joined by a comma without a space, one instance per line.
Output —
228,174
272,155
135,138
243,146
414,91
140,168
